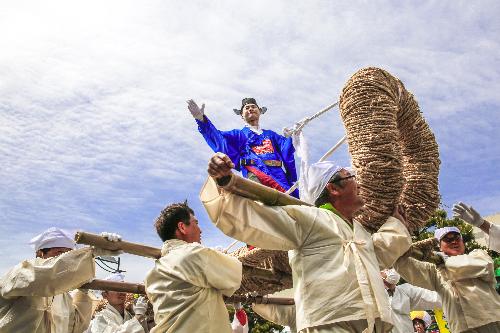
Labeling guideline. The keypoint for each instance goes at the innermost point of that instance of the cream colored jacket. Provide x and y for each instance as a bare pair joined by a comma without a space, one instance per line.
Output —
336,270
494,243
406,298
34,294
109,320
186,288
466,285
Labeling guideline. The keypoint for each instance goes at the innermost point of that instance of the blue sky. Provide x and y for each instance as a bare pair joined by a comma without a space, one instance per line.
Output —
95,133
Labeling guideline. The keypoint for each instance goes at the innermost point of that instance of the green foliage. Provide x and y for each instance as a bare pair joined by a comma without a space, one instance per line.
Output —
256,323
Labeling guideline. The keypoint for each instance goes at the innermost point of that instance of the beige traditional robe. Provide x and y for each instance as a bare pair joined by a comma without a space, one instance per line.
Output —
494,236
109,320
186,288
336,270
34,295
466,285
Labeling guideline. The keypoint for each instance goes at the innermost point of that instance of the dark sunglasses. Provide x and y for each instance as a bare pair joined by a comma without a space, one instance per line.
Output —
451,237
343,178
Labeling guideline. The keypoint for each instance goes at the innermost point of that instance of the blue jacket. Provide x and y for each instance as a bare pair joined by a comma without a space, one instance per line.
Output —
247,148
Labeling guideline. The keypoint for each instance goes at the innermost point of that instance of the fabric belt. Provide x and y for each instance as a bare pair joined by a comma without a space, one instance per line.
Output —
250,161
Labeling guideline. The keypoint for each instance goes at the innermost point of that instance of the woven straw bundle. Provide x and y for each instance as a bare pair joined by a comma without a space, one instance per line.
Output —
276,261
392,148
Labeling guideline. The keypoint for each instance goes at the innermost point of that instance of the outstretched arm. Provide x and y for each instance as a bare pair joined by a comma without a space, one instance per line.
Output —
274,228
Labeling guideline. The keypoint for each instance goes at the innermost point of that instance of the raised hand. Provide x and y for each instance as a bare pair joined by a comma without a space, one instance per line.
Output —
195,110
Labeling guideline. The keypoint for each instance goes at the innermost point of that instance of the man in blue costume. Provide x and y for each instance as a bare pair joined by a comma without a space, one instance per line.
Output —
261,155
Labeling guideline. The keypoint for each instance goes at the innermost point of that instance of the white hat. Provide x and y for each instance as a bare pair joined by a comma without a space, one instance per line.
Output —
118,277
53,237
314,179
441,232
422,315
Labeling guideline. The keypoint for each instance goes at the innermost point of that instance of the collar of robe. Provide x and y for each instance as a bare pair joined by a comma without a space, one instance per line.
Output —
329,206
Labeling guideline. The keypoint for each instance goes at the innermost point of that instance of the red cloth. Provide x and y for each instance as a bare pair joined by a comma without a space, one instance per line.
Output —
242,316
265,179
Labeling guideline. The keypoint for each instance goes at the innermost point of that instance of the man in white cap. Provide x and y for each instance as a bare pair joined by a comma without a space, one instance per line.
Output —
114,318
405,298
34,295
335,262
188,282
465,283
471,216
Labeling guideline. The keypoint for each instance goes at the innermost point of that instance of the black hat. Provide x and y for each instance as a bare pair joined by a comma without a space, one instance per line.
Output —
249,100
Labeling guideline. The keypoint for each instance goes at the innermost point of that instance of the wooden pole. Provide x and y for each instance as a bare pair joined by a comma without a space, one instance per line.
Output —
260,300
255,191
132,248
153,252
106,285
137,288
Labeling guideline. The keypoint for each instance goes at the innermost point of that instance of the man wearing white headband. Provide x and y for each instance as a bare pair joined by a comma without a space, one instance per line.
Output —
405,298
34,294
471,216
114,318
465,283
335,261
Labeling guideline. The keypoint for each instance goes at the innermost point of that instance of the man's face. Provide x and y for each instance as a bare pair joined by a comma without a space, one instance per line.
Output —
452,244
349,192
418,326
54,252
251,114
192,231
115,298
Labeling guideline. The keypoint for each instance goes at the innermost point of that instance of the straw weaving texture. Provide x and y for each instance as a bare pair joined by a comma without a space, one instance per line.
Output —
277,261
392,148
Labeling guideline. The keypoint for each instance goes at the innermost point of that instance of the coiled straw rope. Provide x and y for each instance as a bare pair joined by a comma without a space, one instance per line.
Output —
392,148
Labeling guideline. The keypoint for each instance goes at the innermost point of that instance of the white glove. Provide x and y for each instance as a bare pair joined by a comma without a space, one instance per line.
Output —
112,237
468,214
196,112
141,306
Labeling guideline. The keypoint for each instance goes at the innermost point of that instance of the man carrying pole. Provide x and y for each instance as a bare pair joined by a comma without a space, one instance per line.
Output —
188,282
34,295
335,262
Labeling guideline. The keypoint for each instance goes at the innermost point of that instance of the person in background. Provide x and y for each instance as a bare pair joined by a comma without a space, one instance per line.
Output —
34,295
114,318
421,320
405,298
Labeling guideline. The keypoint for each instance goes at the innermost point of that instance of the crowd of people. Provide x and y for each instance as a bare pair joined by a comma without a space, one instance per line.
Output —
345,279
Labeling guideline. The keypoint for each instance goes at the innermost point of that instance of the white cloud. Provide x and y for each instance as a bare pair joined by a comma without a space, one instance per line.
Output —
95,131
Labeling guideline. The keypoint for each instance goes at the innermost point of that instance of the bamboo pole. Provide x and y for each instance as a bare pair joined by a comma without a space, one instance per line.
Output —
134,288
260,300
255,191
153,252
132,248
138,288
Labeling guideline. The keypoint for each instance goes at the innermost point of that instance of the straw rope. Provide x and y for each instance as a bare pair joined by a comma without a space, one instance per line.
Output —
276,261
392,148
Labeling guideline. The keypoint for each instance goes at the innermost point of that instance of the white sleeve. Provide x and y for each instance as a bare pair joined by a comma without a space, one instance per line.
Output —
494,237
420,298
274,228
